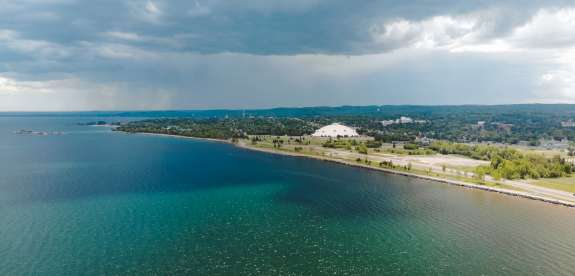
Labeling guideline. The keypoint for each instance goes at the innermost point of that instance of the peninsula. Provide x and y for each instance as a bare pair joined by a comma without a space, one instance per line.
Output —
488,155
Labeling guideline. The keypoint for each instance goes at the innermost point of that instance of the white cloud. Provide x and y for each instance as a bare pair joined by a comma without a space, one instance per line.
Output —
120,51
494,46
9,86
76,94
199,10
146,10
13,40
556,86
174,41
475,32
546,44
557,80
152,9
553,28
124,36
438,32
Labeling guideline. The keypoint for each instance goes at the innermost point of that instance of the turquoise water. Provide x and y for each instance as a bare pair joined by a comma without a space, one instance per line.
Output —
96,202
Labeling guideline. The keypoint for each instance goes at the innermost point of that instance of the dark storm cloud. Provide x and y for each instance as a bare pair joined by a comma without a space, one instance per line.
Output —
251,26
73,54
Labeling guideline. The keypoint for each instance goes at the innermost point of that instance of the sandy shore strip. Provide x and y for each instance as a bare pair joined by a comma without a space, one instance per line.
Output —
360,165
183,137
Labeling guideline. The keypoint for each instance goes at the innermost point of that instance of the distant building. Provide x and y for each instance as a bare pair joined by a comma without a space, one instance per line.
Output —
399,143
387,122
554,144
480,125
402,120
424,141
569,123
335,130
503,126
524,143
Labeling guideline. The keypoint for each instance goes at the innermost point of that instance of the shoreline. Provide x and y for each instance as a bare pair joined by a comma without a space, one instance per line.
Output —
385,170
431,178
184,137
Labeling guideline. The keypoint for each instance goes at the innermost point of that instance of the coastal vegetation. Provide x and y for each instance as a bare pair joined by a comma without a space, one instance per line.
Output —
340,143
508,163
222,128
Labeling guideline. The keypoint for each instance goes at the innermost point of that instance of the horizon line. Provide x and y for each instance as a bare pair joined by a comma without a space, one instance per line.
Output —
271,108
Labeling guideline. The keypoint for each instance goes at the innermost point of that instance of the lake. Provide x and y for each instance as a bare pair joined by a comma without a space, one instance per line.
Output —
92,201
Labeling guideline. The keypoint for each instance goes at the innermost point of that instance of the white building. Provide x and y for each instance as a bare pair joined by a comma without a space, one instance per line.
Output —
569,123
387,122
335,130
404,120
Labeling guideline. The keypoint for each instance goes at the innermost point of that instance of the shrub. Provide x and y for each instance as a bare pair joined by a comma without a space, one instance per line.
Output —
410,146
373,144
362,149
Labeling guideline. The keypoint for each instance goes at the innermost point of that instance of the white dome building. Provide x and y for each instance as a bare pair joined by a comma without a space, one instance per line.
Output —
335,130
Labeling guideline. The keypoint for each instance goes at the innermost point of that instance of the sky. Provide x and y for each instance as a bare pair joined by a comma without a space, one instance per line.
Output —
66,55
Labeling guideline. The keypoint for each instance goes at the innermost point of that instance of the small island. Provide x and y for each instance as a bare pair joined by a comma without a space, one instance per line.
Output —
101,123
37,133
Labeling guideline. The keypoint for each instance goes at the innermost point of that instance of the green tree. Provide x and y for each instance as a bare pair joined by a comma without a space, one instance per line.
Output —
361,148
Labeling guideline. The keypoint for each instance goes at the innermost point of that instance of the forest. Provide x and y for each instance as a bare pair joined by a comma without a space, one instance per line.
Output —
222,128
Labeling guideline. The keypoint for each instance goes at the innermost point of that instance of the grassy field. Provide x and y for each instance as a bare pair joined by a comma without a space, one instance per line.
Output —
564,183
540,151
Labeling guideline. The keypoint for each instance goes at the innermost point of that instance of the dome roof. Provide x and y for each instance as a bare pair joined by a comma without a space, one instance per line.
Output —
335,130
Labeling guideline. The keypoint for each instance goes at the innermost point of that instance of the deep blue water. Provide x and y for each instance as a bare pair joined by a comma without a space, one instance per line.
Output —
97,202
